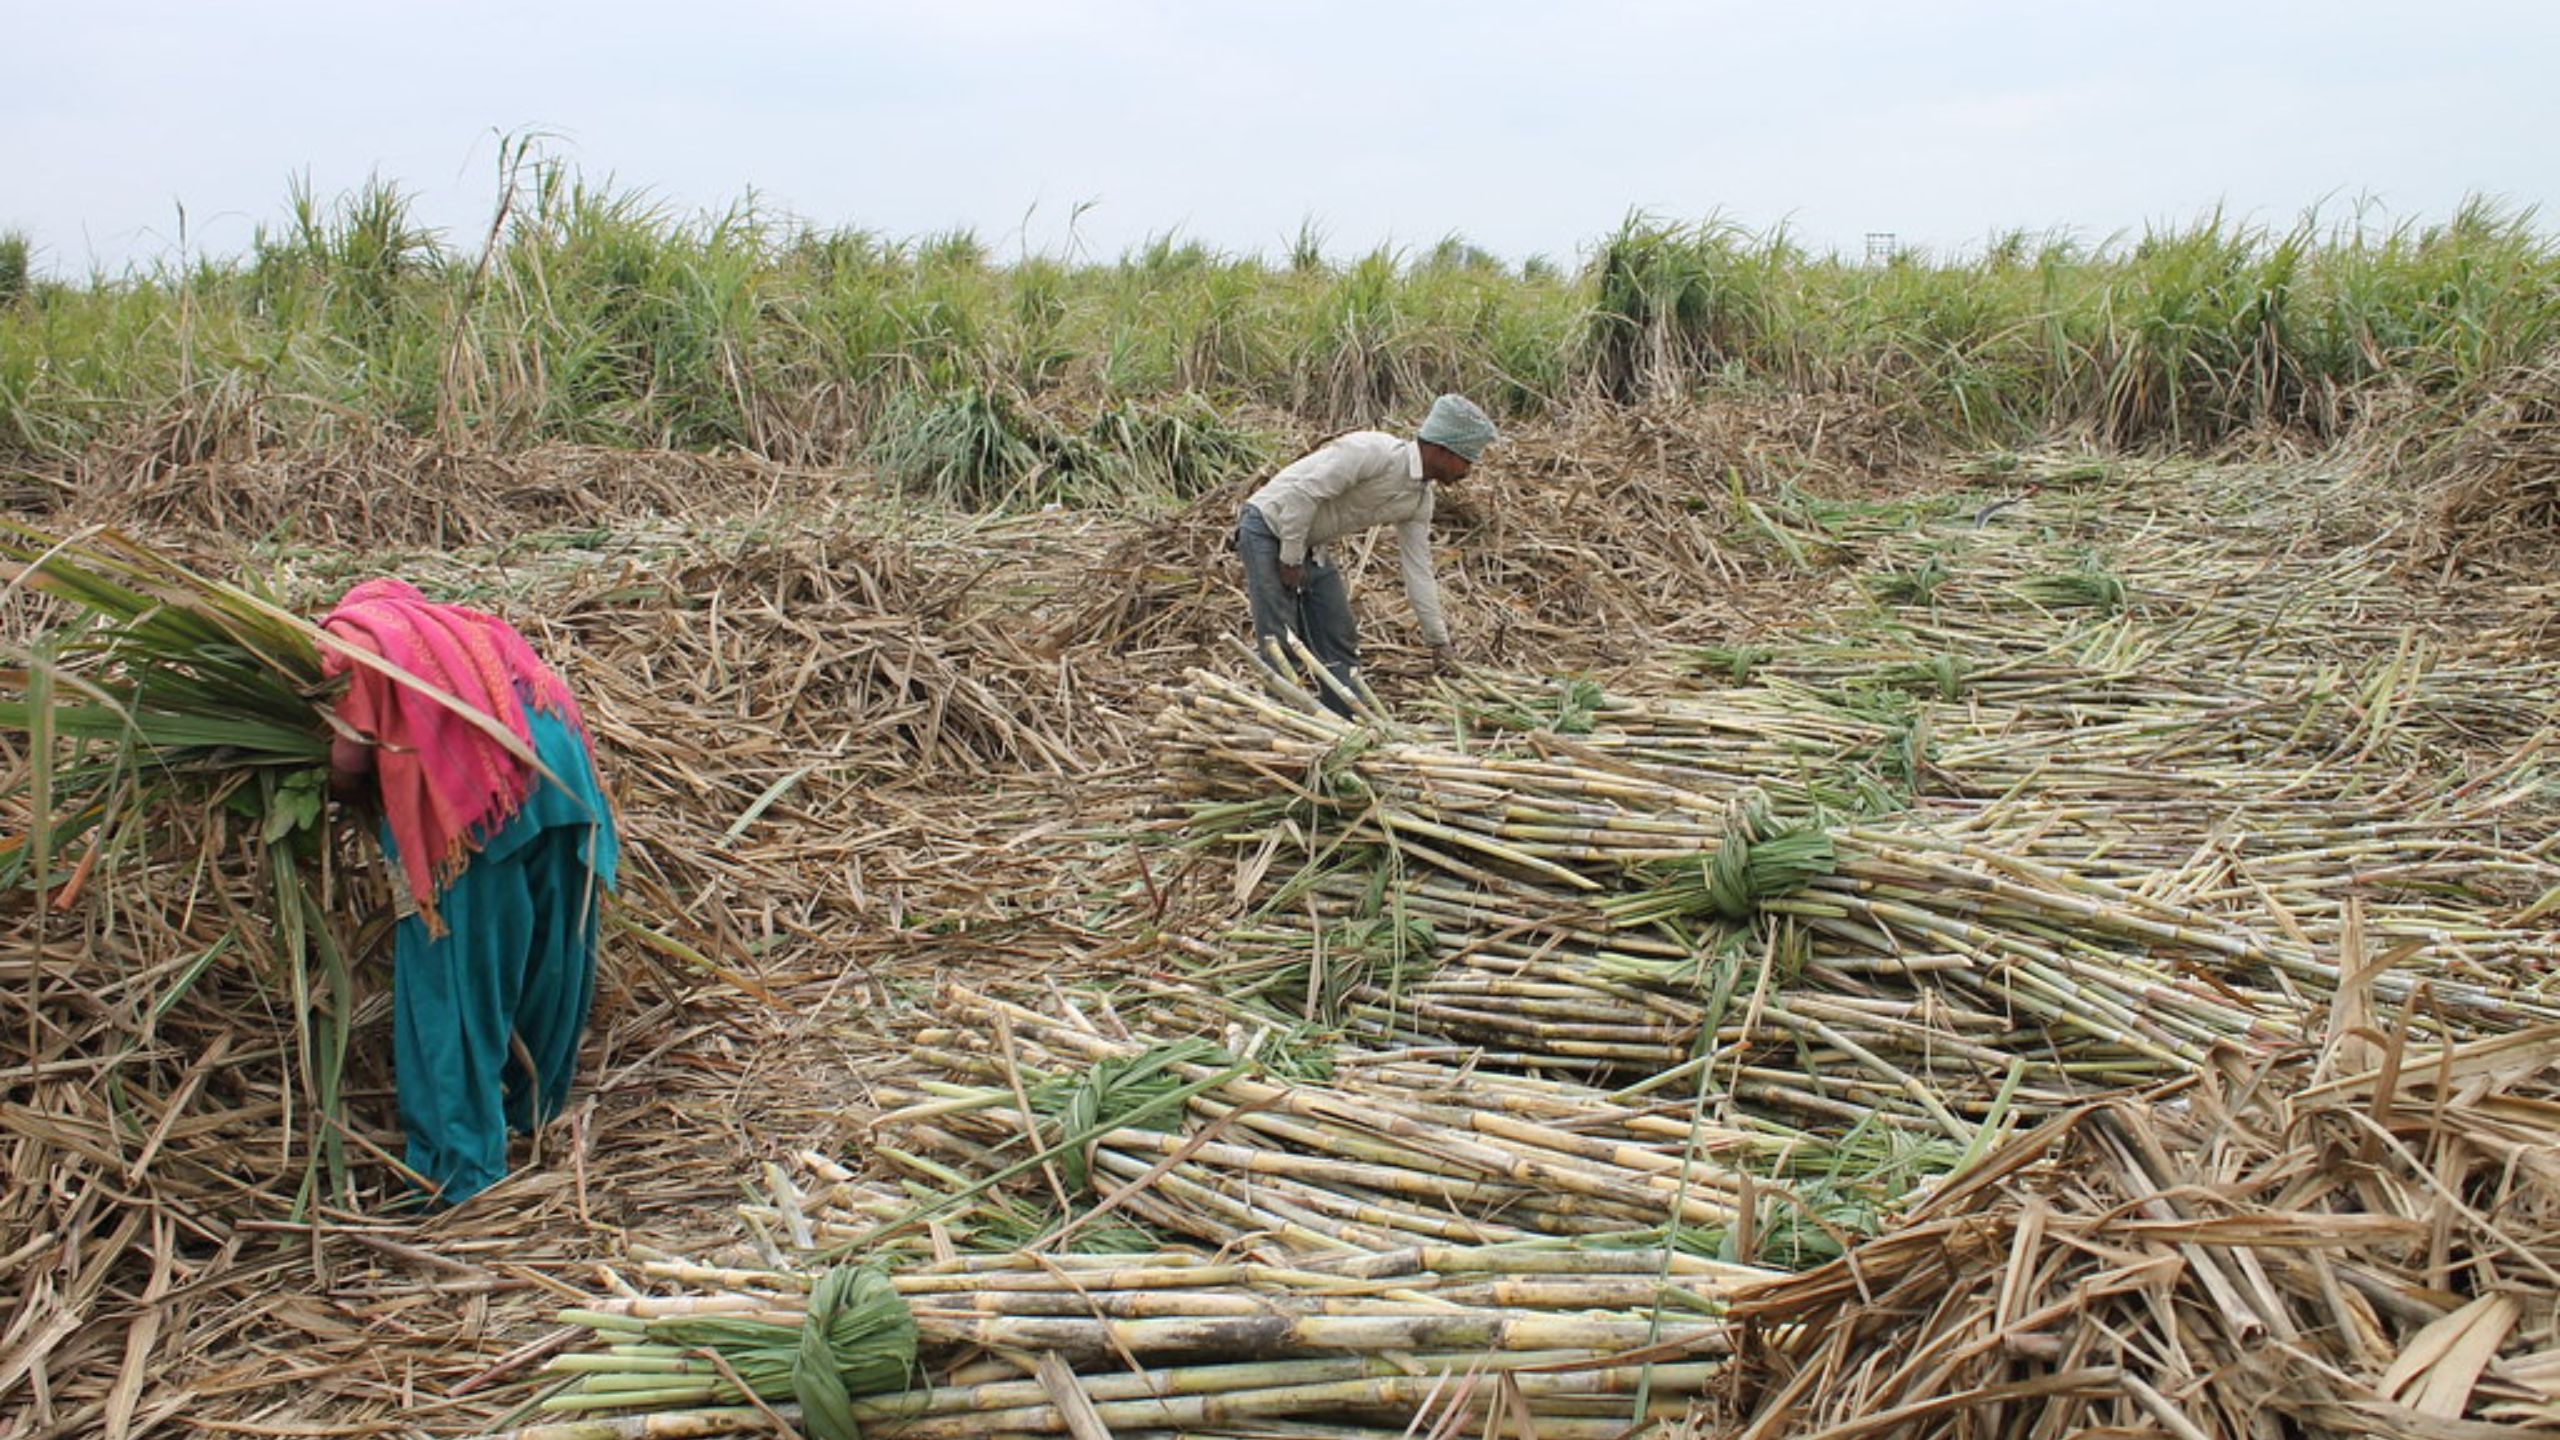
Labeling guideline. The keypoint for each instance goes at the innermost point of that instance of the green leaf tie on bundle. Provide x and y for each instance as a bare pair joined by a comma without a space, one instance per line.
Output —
1113,1093
859,1338
1760,856
1578,704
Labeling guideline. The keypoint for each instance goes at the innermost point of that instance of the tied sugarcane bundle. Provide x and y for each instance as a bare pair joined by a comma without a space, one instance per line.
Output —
1588,1341
2136,772
1900,971
1512,822
1382,1154
851,1336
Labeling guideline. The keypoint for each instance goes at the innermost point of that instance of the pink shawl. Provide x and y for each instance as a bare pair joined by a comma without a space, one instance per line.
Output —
447,785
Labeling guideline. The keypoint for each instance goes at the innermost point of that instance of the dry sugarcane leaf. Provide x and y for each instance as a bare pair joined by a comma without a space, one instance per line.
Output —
2438,1368
2521,1053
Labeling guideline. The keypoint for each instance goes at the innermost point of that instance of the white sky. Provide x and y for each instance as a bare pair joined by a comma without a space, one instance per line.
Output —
1525,126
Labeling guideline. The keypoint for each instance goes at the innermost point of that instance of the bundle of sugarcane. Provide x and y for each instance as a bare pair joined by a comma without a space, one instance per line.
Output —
1191,1141
830,1210
849,1335
2462,837
2199,975
1759,737
1933,734
1987,955
1892,736
1241,745
1330,1334
2428,857
1834,1039
1615,942
2367,1245
1586,1342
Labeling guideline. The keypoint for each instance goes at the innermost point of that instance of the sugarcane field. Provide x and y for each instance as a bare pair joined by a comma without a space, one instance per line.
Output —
1980,856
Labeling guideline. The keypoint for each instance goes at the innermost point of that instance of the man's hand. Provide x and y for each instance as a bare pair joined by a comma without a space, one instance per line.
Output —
1293,578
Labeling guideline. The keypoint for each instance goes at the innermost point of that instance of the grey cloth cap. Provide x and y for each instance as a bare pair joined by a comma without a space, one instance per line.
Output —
1456,424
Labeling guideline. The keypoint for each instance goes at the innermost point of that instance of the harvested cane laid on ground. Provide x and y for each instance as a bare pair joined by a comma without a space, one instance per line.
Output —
1395,1238
1584,1342
1575,913
2107,796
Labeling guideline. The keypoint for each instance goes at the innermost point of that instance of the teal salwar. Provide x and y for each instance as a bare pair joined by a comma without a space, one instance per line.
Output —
516,964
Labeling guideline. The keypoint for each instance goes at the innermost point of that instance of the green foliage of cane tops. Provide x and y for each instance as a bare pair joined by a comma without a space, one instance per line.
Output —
976,448
988,448
1575,708
158,682
1183,448
1136,1091
618,323
16,253
1671,304
356,287
586,313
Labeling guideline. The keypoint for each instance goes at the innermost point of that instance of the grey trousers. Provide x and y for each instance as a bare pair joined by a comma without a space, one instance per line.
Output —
1318,612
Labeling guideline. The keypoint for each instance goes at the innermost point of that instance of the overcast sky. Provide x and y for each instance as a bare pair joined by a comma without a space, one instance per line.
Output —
1525,126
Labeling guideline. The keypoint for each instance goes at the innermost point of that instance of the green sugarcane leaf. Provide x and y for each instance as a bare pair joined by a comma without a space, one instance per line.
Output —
297,805
816,1379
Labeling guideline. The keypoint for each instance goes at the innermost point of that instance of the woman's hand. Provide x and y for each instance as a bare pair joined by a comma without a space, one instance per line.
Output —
350,769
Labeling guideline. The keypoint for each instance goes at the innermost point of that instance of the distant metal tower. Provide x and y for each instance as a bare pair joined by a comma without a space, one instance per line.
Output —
1881,247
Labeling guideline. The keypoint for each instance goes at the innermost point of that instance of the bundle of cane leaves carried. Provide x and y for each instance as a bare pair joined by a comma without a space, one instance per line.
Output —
157,684
162,714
